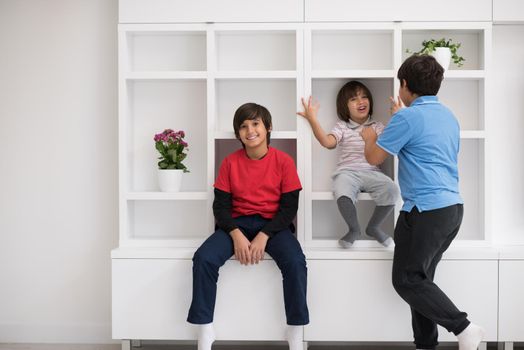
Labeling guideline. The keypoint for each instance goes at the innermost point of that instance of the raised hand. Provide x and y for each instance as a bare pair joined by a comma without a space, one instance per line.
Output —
310,109
395,105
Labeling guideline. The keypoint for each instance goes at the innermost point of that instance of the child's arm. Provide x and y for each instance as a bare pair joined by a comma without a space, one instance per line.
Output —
287,211
374,154
310,113
222,208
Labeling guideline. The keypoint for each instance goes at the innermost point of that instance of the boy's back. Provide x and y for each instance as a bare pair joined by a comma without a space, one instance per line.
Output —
426,138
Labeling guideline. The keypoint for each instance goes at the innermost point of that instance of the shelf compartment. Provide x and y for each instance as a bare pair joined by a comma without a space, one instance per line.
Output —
167,75
354,73
167,51
472,189
472,134
277,95
167,196
471,40
465,99
153,107
274,135
256,50
324,161
355,49
328,196
159,220
329,226
273,74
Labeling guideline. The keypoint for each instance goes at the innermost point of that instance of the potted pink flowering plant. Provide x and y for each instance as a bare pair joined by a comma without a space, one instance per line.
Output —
171,146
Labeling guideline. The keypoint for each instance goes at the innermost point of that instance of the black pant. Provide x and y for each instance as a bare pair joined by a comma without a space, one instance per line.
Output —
420,241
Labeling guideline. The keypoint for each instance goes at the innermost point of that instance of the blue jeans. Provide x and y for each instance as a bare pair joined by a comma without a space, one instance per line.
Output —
218,248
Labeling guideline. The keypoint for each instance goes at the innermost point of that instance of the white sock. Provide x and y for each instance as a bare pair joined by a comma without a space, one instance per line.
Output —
295,337
470,338
206,336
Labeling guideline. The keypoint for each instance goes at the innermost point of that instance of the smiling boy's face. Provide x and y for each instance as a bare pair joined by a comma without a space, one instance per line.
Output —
253,133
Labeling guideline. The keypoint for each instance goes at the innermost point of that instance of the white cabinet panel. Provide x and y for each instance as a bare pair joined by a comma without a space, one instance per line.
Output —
511,302
399,10
472,286
346,298
151,298
508,10
180,11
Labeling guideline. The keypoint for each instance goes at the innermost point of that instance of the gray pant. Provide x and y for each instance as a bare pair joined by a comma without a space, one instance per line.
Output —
380,187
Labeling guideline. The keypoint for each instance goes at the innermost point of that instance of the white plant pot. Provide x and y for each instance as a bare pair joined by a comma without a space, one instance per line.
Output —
443,56
169,180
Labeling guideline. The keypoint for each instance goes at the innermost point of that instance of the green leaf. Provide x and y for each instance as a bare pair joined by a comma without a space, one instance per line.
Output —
172,155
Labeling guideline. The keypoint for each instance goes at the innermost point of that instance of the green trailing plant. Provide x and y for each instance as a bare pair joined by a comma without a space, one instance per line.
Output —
170,144
428,46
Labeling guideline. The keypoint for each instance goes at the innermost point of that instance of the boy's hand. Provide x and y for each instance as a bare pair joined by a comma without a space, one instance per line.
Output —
368,134
395,105
258,246
241,245
310,109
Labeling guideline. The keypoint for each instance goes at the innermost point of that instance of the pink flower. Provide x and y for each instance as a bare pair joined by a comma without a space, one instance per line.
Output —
165,143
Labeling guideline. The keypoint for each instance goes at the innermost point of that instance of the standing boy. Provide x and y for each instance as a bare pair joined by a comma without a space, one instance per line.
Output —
425,137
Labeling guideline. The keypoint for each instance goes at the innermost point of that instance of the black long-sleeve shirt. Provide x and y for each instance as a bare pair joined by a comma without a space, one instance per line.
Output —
287,210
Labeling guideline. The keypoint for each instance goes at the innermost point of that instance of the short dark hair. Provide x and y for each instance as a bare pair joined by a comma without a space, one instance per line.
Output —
349,90
422,73
250,111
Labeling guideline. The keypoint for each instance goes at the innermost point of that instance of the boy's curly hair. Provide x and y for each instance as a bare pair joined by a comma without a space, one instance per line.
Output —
422,73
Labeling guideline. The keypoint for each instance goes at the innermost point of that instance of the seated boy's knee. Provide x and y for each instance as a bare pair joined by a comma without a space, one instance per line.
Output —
393,192
296,262
201,257
393,188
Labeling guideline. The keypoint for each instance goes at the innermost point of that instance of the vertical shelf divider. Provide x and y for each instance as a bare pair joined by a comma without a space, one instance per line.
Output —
301,154
307,140
211,119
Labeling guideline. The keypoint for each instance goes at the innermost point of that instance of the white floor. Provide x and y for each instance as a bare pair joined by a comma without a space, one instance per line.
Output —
227,346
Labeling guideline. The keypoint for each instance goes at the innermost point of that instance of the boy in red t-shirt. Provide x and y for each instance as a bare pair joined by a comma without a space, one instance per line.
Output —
256,200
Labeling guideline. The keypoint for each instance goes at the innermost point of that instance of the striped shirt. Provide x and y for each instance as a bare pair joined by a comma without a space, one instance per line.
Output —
351,145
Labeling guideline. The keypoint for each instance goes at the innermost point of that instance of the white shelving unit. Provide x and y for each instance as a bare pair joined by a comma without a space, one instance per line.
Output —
373,57
192,77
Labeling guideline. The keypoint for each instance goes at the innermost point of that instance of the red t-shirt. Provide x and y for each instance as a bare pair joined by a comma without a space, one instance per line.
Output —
256,185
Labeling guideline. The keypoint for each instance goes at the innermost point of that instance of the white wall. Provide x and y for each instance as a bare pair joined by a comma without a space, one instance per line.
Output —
507,166
58,169
58,164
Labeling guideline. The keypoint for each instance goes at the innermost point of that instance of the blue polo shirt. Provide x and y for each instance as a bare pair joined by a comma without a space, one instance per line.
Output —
426,138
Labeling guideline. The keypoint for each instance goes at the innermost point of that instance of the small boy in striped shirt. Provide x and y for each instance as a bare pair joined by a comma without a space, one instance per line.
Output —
353,173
